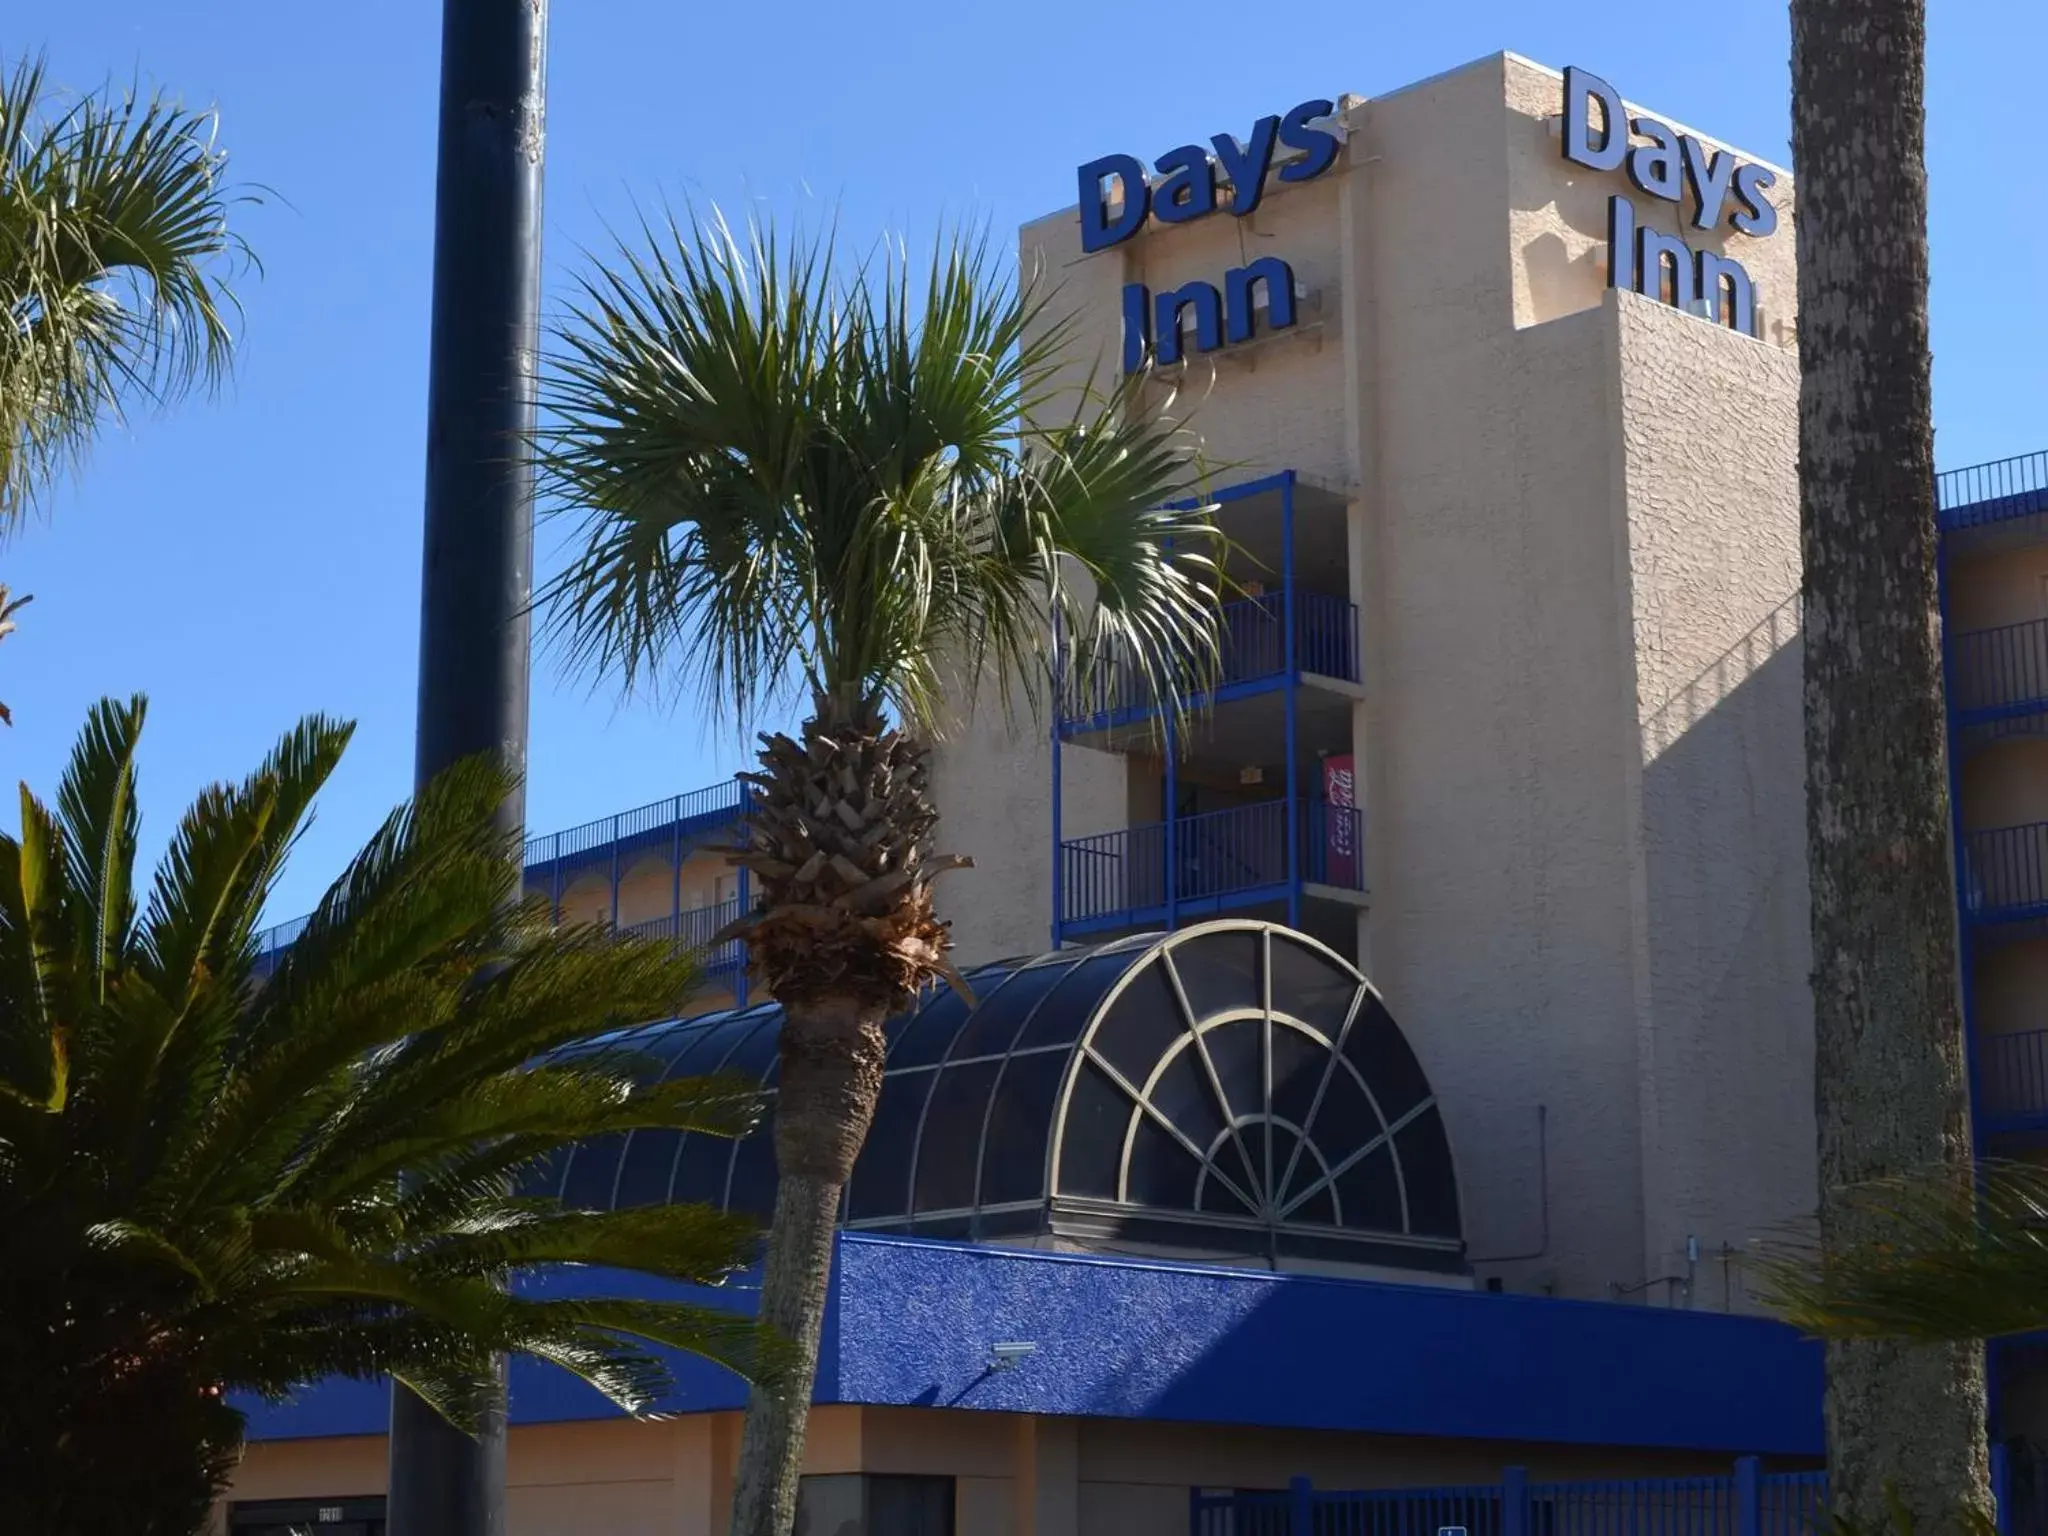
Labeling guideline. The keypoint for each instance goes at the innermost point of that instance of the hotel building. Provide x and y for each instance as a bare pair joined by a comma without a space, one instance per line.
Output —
1377,1075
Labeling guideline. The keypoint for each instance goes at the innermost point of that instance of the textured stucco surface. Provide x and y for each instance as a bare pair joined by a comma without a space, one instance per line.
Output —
1710,436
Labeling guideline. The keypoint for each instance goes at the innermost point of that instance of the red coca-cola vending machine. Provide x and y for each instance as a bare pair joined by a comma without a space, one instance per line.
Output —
1340,823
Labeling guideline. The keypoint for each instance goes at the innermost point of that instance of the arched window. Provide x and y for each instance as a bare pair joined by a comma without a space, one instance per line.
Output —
1234,1089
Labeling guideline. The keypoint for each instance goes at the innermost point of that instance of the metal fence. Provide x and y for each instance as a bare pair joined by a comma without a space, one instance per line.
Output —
692,813
1746,1501
1994,492
2005,872
693,930
1252,647
2014,1070
1215,855
1999,669
680,819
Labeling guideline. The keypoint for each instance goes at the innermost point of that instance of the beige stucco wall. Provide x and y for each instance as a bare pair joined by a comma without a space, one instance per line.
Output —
2005,784
1015,1475
1572,537
2012,979
1725,1042
1998,586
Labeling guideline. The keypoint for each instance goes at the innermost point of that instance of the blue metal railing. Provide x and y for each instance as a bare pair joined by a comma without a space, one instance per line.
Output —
1252,649
2014,1088
1999,670
2005,873
1744,1502
683,818
705,808
693,930
1216,854
1993,493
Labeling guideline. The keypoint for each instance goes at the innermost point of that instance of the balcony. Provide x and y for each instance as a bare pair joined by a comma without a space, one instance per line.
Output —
2012,1074
1253,658
693,930
1987,494
1998,675
676,825
2005,874
1221,861
679,822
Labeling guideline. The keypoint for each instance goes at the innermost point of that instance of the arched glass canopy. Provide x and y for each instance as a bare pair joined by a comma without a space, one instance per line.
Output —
1234,1088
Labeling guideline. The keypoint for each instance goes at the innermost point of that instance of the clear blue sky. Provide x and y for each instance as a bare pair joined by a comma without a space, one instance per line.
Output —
248,560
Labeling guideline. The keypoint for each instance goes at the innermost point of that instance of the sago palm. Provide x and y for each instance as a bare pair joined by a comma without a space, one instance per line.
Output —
1938,1256
115,260
200,1166
807,482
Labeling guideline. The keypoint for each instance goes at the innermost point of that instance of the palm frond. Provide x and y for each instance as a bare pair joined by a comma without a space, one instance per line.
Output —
796,478
1925,1256
252,1182
96,807
116,268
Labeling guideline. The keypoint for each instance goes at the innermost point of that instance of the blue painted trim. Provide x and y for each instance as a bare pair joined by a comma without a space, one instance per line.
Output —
910,1322
1134,714
1185,910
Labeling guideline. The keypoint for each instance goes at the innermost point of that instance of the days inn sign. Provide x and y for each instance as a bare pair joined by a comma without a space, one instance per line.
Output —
1193,181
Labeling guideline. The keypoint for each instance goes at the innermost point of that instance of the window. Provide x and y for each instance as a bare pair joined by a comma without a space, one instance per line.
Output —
859,1504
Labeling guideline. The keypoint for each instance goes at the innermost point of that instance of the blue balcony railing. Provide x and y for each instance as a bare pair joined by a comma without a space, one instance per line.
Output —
693,930
2005,873
691,815
1220,859
1252,656
2000,672
1997,492
679,822
2012,1073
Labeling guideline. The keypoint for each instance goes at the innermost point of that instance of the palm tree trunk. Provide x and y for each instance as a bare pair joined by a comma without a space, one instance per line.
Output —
1889,1072
832,1057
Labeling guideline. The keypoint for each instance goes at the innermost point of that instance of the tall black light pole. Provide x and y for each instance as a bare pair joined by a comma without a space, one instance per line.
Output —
477,569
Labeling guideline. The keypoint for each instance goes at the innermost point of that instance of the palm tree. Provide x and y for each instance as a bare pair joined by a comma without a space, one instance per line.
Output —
199,1167
115,260
803,482
1888,1035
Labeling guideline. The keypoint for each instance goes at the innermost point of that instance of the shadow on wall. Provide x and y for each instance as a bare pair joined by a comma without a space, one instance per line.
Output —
1726,1039
1559,282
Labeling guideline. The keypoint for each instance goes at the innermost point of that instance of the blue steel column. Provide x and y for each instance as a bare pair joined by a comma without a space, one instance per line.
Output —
1291,692
1966,948
745,897
1171,790
1058,862
675,871
615,872
1748,1496
1059,704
